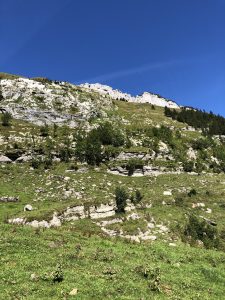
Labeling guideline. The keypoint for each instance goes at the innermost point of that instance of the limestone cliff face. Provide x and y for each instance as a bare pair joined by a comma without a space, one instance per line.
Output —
146,97
50,101
45,101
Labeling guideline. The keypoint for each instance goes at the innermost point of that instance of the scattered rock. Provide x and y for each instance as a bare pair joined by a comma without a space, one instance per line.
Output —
55,222
73,292
167,193
130,206
4,159
102,211
133,216
17,221
24,158
34,277
28,207
9,199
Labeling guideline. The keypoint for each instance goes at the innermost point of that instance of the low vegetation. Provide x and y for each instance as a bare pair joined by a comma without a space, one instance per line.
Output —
151,190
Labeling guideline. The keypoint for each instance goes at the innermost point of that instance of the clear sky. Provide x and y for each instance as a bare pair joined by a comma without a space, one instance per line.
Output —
175,48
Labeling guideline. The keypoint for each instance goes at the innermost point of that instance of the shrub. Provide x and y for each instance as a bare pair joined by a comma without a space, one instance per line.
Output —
1,96
6,119
55,128
137,197
202,144
44,130
163,133
93,155
58,274
134,164
154,279
111,152
192,192
35,163
121,198
197,229
109,135
89,148
188,166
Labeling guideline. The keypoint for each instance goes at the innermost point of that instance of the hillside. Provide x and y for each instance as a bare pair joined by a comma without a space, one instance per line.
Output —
107,195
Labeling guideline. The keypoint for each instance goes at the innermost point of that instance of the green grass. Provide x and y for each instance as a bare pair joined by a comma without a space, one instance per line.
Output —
102,268
98,266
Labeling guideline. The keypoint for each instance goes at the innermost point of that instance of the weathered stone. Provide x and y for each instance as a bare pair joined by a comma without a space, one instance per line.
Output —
4,159
17,221
28,207
73,292
133,216
102,211
167,193
55,222
9,199
130,206
24,158
148,238
74,213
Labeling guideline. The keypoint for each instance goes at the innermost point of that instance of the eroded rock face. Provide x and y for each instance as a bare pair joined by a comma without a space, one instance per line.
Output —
133,155
50,102
102,211
145,171
74,213
146,97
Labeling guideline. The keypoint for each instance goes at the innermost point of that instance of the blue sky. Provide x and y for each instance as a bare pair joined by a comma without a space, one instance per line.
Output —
175,48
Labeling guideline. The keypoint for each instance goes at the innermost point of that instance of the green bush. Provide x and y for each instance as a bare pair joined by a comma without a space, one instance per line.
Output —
134,164
93,151
89,148
202,144
44,130
199,230
35,163
192,192
109,135
6,119
188,166
121,199
111,152
162,133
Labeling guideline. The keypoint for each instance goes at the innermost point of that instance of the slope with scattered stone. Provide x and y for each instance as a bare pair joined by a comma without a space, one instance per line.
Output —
59,212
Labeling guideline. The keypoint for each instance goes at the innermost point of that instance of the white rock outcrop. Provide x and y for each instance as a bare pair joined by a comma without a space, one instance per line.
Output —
146,97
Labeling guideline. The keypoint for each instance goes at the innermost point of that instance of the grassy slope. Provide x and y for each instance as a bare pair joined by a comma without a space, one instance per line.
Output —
105,268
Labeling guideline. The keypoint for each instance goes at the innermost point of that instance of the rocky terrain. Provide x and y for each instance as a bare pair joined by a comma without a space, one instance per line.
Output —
107,195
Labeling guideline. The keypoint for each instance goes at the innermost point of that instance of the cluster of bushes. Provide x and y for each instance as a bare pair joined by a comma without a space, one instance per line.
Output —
99,144
134,164
122,196
197,230
209,123
162,133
